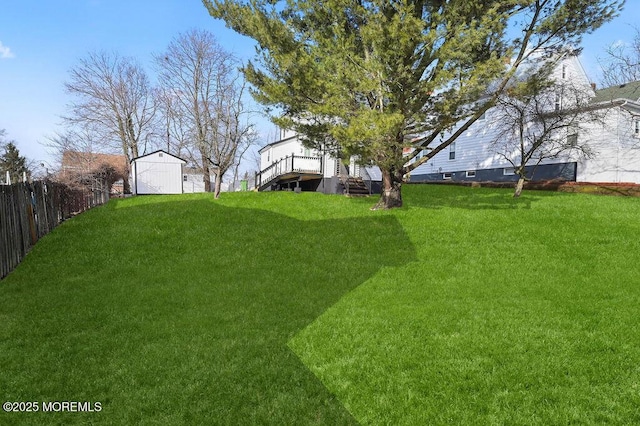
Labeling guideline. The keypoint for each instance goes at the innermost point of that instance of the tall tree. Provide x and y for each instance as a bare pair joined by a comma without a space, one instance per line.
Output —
540,118
621,63
11,161
113,100
375,77
232,133
204,88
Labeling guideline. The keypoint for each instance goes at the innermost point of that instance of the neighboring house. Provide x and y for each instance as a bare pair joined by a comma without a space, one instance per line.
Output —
87,168
617,144
288,164
157,173
614,143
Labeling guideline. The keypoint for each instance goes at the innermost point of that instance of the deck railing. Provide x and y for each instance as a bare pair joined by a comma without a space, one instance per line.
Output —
289,164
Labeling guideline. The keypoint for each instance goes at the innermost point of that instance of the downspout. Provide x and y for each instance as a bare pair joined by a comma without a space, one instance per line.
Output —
135,178
618,142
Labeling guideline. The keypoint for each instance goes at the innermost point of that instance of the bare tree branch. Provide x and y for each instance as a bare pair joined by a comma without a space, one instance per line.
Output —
206,92
113,100
539,119
622,62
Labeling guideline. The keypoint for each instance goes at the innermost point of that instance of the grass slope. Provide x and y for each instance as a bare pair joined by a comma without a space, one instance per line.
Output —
177,310
516,312
465,307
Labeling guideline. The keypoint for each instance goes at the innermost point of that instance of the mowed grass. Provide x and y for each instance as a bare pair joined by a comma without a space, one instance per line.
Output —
464,307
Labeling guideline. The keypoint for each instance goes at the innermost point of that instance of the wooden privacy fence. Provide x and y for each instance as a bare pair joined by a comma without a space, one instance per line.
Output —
28,211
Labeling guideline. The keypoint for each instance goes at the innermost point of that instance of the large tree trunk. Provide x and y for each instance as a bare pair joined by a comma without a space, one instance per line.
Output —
217,185
391,195
206,173
519,187
126,186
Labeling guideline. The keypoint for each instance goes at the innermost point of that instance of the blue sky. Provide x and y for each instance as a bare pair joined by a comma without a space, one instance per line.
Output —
40,43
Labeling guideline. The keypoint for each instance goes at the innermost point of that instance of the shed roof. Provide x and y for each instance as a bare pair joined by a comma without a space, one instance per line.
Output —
157,152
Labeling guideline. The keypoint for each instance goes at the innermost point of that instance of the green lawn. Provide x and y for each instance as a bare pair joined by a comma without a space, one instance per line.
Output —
464,307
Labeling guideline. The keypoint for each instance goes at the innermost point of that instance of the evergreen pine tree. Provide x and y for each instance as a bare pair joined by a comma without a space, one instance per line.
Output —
385,80
11,161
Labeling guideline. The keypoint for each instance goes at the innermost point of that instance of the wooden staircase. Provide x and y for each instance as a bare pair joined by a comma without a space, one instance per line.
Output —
355,186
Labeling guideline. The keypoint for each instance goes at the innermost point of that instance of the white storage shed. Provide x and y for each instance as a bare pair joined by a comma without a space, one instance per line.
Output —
157,173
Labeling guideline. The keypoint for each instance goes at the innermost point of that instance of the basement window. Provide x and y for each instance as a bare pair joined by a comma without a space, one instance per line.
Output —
447,176
471,173
509,171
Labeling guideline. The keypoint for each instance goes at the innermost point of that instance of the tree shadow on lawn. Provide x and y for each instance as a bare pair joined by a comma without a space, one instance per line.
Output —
180,312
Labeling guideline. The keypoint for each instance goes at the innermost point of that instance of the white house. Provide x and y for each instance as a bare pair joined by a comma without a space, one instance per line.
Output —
288,164
614,142
157,173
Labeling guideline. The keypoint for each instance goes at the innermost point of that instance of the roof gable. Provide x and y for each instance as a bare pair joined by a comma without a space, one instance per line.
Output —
159,153
284,141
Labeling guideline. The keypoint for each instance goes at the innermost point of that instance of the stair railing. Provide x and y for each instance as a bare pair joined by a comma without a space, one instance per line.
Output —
288,164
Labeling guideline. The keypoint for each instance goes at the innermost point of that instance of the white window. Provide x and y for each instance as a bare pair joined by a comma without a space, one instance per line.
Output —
184,178
447,176
558,102
508,171
564,71
452,151
471,173
636,127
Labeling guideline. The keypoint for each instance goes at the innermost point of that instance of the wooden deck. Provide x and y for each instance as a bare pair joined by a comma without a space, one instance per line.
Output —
289,170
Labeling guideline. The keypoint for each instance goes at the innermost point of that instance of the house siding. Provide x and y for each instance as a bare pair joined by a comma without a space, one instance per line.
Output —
614,147
616,150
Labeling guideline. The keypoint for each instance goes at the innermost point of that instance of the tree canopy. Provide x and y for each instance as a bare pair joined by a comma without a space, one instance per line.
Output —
373,78
112,104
